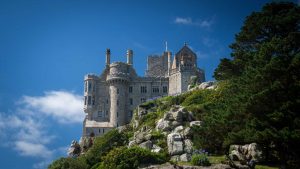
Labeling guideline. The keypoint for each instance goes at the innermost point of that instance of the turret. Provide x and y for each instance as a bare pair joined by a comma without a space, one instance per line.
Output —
169,62
107,56
129,57
89,94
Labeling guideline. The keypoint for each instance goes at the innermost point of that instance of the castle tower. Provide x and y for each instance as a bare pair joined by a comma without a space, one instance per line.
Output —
118,88
90,94
129,57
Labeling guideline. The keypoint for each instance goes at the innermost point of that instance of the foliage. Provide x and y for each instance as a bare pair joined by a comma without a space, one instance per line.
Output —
216,159
102,145
263,82
69,163
130,158
200,159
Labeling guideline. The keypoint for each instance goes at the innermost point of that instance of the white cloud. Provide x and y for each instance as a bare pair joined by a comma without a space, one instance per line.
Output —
185,21
189,21
64,106
33,149
26,130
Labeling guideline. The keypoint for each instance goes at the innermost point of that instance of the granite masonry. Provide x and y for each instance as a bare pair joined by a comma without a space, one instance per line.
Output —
109,99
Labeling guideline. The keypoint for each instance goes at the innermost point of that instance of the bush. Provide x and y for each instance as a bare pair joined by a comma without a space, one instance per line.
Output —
130,158
200,159
69,163
102,145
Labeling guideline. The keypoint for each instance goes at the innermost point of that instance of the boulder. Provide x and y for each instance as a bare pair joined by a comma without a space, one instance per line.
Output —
177,115
195,123
175,144
146,145
246,152
178,129
156,148
206,85
132,143
163,125
185,157
168,116
74,149
187,132
188,146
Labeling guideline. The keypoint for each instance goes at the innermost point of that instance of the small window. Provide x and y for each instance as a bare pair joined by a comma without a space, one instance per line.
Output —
106,113
118,102
99,114
130,114
99,130
89,100
85,100
90,86
102,130
143,89
131,101
93,101
143,100
117,114
165,89
106,101
155,89
85,86
130,89
118,91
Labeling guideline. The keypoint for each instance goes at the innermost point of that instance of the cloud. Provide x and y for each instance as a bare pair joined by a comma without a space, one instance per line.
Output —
32,149
63,106
26,130
189,21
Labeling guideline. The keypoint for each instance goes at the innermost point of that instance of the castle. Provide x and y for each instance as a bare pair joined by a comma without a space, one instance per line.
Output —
109,99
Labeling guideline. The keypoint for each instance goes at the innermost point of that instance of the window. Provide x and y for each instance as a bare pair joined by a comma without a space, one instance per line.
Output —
93,101
102,130
90,86
143,100
130,89
130,114
106,113
131,101
89,100
143,89
106,101
117,114
118,102
155,89
99,114
117,91
165,89
84,100
99,130
85,86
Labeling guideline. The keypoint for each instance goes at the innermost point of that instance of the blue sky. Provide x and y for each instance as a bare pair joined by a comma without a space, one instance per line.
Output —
46,47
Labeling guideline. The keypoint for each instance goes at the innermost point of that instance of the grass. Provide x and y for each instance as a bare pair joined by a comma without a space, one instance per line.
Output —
265,167
216,159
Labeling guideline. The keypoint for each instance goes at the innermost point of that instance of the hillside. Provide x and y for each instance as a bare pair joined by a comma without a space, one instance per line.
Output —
251,117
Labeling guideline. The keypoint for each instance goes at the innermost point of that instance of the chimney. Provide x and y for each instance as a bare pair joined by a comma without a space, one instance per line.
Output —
129,57
107,56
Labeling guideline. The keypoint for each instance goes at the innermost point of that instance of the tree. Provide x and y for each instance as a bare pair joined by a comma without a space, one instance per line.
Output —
265,68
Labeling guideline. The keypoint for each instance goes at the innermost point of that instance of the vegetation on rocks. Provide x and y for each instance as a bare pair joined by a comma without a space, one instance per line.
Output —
257,100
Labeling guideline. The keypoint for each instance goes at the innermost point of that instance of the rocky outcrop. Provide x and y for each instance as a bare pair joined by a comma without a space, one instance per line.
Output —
74,149
204,85
175,144
246,152
172,166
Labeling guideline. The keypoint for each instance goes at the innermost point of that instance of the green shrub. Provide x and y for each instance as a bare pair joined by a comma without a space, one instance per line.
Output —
130,158
69,163
200,159
102,145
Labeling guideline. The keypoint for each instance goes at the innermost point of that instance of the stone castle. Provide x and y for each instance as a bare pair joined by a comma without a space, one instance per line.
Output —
109,99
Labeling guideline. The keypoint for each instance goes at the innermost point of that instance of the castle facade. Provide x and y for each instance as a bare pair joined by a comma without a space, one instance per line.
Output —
109,99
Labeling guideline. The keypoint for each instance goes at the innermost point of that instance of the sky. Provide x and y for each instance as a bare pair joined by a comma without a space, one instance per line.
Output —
47,46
